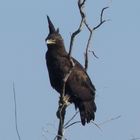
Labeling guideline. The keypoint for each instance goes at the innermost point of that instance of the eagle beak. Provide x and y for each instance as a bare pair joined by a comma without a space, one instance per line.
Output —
50,41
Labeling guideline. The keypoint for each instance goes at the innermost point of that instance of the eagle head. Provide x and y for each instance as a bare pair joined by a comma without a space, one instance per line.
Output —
54,38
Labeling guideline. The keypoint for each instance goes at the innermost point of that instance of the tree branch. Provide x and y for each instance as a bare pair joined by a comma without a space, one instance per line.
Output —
74,34
72,124
135,138
101,19
16,120
91,30
71,119
81,4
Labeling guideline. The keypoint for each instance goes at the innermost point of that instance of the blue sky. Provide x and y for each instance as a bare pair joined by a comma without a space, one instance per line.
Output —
23,28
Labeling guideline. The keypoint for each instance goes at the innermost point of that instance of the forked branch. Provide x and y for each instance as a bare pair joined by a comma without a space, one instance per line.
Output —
91,30
81,5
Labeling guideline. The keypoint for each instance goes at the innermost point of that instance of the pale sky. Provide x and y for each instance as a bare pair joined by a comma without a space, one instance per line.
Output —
23,29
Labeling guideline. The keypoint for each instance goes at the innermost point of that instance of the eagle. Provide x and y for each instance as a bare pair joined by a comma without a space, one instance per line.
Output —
79,87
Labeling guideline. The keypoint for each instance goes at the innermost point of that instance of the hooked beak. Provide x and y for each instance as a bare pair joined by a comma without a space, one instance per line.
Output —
50,41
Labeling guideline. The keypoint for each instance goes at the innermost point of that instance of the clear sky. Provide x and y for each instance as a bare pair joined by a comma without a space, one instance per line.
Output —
23,28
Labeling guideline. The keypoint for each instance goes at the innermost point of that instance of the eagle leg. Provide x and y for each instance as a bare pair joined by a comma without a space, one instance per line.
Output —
63,103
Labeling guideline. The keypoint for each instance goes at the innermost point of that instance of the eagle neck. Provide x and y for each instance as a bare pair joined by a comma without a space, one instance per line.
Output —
57,51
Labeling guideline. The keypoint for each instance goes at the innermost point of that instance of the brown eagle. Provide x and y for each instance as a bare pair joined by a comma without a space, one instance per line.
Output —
78,87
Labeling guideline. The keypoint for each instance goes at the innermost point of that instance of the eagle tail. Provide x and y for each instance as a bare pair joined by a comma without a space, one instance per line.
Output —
87,111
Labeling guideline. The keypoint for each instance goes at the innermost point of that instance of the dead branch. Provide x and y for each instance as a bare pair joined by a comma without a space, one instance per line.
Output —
97,126
91,30
72,124
71,119
61,111
94,54
109,120
101,19
16,120
135,138
81,4
87,48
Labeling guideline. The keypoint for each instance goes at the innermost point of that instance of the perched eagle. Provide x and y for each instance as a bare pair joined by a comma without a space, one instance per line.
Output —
78,87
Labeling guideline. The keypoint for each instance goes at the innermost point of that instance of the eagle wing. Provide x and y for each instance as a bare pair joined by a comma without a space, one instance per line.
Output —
82,92
80,84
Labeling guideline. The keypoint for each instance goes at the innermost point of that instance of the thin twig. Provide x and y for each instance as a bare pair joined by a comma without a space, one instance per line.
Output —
97,125
91,30
74,34
72,124
16,119
73,37
94,54
87,48
71,119
135,138
107,121
104,122
101,19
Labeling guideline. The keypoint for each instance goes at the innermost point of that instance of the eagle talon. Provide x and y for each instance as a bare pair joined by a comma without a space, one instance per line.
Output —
65,100
63,103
